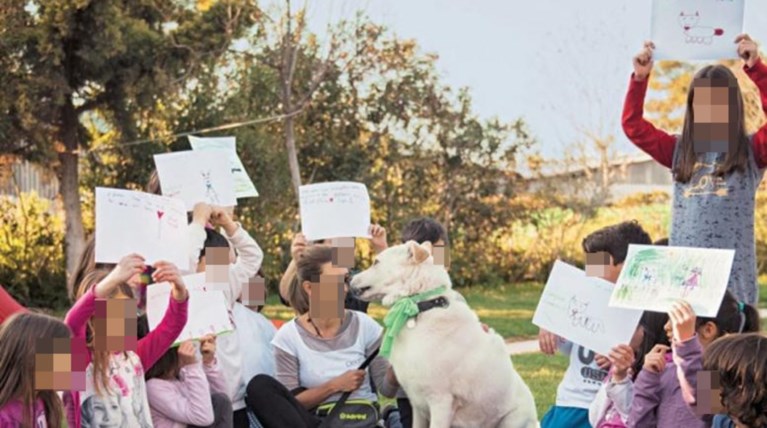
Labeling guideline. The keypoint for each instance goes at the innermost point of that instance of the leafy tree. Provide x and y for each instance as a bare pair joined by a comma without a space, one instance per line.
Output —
115,62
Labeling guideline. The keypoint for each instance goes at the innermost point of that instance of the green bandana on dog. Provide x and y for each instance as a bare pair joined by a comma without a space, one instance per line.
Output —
400,312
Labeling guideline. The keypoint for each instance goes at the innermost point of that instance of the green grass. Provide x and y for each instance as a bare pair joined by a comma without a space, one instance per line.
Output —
542,373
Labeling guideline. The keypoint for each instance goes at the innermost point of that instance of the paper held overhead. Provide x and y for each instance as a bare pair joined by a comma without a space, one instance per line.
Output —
338,209
696,29
197,176
152,226
243,185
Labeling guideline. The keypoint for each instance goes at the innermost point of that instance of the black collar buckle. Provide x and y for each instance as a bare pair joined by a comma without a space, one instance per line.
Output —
439,302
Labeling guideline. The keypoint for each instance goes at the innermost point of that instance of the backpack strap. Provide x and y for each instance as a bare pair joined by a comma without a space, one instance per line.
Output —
345,396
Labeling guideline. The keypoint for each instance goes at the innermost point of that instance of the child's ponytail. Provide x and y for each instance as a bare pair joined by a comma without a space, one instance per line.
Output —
733,317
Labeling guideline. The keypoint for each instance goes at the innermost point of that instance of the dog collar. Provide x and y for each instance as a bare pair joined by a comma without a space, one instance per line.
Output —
403,310
439,302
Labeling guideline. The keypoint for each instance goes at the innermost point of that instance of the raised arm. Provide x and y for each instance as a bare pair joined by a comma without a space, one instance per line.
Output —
192,408
757,72
656,143
646,399
152,346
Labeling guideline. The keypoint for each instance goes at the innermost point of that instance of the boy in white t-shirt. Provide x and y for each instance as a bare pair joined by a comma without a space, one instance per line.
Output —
605,253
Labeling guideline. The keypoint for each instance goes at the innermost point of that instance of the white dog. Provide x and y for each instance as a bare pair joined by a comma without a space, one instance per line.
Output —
454,373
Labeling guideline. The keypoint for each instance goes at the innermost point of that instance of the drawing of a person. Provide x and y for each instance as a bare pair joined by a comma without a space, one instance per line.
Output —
691,283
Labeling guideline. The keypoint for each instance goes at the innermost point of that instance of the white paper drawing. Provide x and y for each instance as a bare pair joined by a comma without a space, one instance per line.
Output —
335,210
654,277
243,185
135,222
207,309
696,29
588,320
197,176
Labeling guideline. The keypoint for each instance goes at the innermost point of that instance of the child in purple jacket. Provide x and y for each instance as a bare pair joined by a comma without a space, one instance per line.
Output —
662,388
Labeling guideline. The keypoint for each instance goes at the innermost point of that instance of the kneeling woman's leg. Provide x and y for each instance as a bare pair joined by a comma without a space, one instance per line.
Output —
275,406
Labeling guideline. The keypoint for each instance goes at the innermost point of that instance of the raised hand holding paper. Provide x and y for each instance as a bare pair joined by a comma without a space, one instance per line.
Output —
243,185
587,320
655,277
696,29
335,210
136,222
207,308
197,176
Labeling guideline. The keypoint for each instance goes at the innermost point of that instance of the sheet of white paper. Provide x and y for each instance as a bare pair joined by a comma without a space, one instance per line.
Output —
335,210
574,306
135,222
696,29
655,277
243,185
207,308
197,176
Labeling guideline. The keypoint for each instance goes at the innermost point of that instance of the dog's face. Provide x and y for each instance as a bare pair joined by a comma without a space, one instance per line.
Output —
400,271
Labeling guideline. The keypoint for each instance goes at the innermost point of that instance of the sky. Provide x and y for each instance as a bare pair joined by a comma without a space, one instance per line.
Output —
561,65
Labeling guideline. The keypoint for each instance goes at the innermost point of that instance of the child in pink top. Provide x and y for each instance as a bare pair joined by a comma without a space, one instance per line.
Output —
183,390
115,390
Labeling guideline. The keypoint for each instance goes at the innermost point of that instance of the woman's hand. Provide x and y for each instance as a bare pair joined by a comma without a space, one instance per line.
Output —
186,353
349,381
655,360
643,62
378,239
682,318
747,49
298,246
127,267
220,217
622,359
168,272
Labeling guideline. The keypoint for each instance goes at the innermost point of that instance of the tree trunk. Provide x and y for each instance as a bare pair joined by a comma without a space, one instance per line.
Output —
70,186
290,145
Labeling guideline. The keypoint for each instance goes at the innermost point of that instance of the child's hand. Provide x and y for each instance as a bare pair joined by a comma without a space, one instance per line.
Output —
643,62
201,213
602,361
682,318
127,267
208,349
378,239
298,246
622,358
655,360
747,50
547,341
220,217
168,272
186,353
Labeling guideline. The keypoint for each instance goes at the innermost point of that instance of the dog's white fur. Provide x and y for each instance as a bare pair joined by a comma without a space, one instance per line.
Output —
454,373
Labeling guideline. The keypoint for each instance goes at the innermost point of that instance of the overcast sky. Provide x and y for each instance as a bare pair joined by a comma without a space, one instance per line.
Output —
533,59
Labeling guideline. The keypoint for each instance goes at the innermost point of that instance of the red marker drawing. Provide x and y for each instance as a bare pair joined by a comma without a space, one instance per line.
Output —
159,223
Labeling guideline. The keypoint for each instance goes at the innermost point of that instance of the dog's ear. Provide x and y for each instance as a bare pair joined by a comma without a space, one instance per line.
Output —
417,254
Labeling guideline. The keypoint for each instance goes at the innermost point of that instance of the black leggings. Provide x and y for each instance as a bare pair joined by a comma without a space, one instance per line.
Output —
275,406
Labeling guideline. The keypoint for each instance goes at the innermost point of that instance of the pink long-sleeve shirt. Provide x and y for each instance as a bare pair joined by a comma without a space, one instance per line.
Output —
178,403
127,398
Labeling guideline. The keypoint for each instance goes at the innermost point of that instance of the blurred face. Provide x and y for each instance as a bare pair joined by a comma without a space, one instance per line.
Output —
326,298
600,265
712,130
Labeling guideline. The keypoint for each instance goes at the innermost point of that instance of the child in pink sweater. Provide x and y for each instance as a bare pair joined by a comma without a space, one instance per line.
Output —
182,391
115,390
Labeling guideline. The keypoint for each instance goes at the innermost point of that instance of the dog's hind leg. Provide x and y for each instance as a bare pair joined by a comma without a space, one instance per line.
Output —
420,419
517,420
441,411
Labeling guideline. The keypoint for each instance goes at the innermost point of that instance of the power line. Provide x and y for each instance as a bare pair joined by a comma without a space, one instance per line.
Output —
200,131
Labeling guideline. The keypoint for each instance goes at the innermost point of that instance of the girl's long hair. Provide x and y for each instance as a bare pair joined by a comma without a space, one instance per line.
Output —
652,324
99,358
18,341
717,76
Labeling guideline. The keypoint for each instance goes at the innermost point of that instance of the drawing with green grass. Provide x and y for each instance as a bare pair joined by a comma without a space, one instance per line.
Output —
654,277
